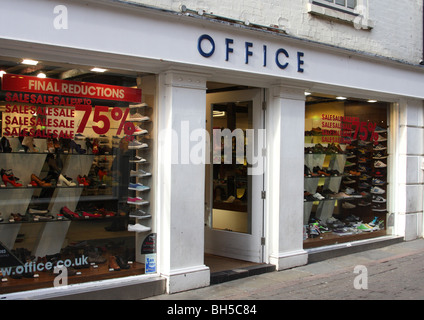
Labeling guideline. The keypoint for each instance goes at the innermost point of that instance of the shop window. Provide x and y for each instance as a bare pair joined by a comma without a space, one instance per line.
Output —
76,168
346,165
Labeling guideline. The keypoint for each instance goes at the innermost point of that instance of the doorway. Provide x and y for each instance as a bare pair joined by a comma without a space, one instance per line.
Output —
234,210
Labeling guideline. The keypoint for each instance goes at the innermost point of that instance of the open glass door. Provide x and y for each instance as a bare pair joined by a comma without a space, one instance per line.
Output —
234,204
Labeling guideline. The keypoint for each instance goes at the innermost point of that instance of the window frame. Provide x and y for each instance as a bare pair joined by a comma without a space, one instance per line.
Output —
358,17
338,7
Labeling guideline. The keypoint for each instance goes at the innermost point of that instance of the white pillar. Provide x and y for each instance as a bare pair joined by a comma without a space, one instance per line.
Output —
407,149
285,157
181,183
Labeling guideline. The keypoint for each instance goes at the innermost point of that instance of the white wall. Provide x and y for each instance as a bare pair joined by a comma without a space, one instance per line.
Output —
397,31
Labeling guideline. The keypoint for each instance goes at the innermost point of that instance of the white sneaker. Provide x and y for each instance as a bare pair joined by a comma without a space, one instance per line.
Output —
377,190
138,159
139,173
138,131
379,164
135,144
318,196
138,228
138,117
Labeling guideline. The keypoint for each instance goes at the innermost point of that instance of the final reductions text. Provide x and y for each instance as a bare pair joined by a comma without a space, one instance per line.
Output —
33,103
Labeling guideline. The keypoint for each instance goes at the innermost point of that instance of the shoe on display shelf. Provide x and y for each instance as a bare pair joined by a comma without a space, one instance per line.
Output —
379,164
138,117
365,227
379,208
313,231
364,177
139,131
364,185
349,164
137,201
8,177
66,181
380,147
381,138
348,181
318,196
364,203
378,182
139,214
378,199
348,206
122,263
341,195
137,159
352,218
138,228
365,194
363,160
363,143
139,173
138,105
352,193
377,190
135,144
374,222
307,196
379,156
83,180
362,168
138,187
36,181
113,264
70,214
38,211
354,173
380,130
334,223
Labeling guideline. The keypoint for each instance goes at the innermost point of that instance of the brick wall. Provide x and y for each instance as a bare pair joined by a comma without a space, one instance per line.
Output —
397,31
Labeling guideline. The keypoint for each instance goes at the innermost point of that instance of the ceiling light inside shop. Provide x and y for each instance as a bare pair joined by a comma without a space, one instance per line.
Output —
98,70
41,75
307,93
29,62
341,98
217,114
372,101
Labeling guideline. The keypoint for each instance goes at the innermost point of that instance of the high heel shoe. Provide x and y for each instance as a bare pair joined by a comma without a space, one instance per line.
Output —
74,146
82,180
8,177
70,214
88,145
66,181
39,182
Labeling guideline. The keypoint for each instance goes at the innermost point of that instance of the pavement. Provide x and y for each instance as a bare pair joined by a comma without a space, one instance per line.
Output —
394,272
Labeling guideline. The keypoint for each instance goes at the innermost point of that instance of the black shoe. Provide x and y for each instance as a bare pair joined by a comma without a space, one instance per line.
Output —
122,263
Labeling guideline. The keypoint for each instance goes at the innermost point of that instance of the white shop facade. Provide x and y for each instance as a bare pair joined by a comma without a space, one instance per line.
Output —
324,149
